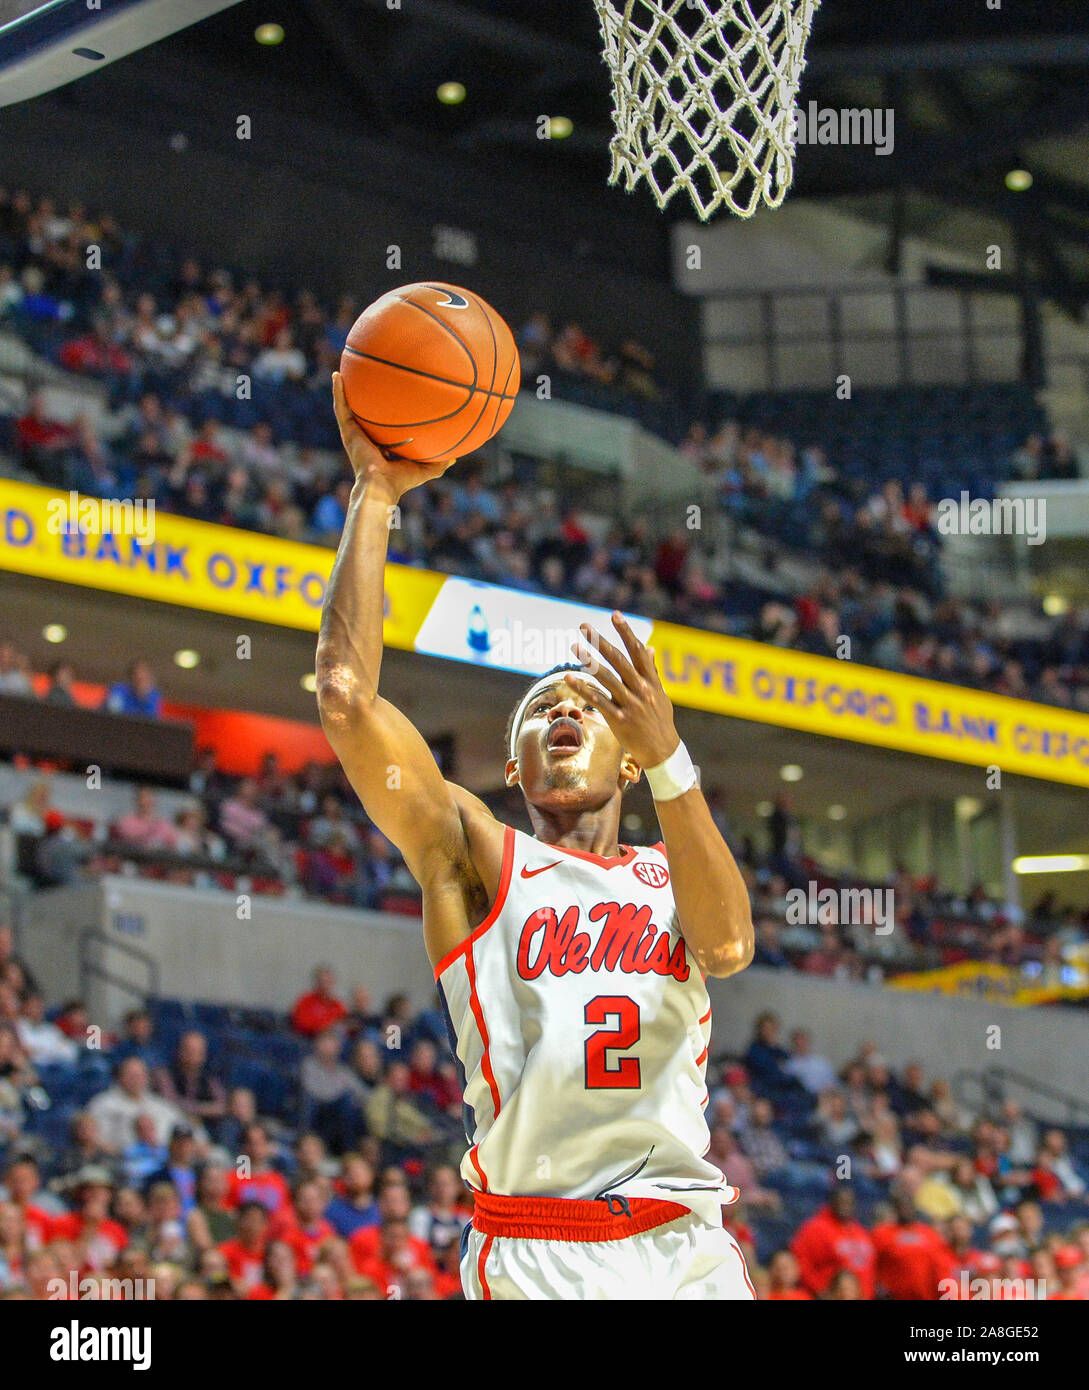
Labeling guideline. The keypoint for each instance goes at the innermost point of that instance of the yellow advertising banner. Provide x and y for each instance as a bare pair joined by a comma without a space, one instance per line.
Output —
219,569
996,984
194,564
818,695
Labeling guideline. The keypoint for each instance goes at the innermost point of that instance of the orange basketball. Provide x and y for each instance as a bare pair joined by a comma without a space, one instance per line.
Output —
430,371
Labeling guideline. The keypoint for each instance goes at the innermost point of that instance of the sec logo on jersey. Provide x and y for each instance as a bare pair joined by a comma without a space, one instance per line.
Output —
653,875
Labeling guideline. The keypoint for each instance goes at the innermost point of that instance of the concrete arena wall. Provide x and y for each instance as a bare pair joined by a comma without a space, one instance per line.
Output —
946,1035
204,952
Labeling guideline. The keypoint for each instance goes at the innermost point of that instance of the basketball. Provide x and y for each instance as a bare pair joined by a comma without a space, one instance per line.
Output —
430,371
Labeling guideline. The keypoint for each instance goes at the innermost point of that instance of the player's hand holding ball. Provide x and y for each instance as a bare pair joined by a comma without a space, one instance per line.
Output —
429,373
391,476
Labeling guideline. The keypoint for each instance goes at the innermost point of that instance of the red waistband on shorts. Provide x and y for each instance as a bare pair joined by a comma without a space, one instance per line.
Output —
569,1218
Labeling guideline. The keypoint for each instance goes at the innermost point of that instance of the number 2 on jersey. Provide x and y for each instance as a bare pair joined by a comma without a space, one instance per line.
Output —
622,1016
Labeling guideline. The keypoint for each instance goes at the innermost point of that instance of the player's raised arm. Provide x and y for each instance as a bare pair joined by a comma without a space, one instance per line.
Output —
383,754
712,899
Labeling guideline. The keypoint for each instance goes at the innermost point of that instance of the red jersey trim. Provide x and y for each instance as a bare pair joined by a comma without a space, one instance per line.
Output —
482,1028
495,909
744,1268
482,1260
476,1164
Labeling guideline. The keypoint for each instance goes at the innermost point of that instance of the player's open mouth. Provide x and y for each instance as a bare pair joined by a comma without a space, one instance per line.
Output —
564,736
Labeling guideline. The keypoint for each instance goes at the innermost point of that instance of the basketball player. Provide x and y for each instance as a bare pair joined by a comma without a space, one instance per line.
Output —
571,966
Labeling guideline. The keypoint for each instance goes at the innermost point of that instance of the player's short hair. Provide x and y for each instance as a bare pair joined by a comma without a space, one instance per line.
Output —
556,670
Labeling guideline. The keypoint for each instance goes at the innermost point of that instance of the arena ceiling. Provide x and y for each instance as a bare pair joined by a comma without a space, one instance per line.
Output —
977,92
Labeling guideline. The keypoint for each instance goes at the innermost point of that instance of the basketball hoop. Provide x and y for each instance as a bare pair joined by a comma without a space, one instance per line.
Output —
704,96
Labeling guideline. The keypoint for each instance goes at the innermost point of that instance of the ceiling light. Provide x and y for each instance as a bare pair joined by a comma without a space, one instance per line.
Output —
55,632
309,682
269,34
791,772
1055,605
451,93
837,813
560,127
1051,863
1019,180
187,658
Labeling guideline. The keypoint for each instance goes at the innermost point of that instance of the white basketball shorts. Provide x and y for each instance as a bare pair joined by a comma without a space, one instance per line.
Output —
552,1248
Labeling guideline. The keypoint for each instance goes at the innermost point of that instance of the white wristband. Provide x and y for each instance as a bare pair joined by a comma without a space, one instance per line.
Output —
674,777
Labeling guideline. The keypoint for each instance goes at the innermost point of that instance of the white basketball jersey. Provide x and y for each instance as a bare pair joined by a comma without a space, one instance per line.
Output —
582,1026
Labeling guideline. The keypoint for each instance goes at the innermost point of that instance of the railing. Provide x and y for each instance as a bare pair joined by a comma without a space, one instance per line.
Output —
993,1084
92,968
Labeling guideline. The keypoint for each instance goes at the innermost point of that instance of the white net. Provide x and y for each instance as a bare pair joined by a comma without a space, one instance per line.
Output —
704,94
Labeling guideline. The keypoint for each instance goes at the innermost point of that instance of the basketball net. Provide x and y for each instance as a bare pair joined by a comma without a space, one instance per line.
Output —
704,95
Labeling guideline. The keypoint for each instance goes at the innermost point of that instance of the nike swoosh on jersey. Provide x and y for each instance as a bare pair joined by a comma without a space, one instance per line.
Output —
532,873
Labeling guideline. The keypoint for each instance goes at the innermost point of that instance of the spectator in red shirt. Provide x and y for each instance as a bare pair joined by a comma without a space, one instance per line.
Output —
245,1252
425,1078
1073,1279
398,1252
280,1280
785,1279
320,1009
670,560
38,436
14,1244
832,1241
261,1183
207,446
74,1020
846,1287
573,531
394,1204
964,1254
309,1231
100,1239
912,1258
23,1183
94,354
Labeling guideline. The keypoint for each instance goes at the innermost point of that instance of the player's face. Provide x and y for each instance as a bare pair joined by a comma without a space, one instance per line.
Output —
567,754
